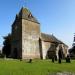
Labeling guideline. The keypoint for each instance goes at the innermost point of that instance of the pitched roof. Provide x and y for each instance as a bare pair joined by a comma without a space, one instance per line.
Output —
51,38
26,14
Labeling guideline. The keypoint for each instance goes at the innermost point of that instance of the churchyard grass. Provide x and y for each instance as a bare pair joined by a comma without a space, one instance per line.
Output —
37,67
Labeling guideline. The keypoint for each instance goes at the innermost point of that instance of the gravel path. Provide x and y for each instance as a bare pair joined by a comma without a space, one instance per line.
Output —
63,73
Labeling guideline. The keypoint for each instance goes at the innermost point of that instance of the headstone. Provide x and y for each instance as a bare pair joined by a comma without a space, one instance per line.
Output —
68,59
30,60
53,59
59,61
60,53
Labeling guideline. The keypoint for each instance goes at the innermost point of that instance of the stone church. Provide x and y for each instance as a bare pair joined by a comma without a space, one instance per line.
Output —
29,43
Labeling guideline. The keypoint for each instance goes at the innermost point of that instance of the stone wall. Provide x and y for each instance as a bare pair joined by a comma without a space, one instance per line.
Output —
30,39
16,44
47,49
50,49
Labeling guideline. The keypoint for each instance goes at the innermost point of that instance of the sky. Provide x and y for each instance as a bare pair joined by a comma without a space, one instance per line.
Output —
56,17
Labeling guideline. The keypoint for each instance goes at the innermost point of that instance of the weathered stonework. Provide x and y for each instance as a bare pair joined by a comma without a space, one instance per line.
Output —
16,45
30,39
27,40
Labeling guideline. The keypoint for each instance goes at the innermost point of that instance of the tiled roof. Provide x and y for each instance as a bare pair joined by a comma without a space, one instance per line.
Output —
51,38
26,14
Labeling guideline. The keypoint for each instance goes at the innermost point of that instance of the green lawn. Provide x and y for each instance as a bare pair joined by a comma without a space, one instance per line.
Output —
37,67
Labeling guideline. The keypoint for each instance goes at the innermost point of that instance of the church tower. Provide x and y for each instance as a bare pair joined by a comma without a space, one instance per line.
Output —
25,36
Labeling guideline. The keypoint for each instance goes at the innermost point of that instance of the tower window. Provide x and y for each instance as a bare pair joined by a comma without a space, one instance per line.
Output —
30,16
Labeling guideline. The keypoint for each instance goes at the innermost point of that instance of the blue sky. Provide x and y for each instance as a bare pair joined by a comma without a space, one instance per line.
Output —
56,17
